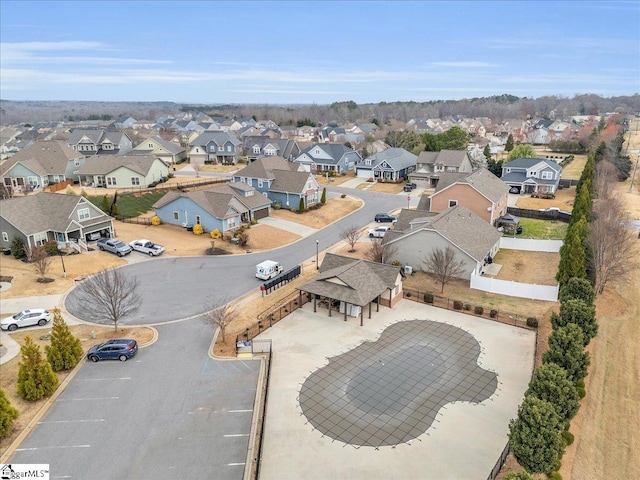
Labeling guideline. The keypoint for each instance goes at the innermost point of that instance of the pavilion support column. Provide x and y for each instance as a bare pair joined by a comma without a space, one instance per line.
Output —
369,310
361,316
314,304
346,306
329,302
378,304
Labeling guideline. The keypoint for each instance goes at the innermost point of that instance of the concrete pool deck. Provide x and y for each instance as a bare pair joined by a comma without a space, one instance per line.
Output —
465,439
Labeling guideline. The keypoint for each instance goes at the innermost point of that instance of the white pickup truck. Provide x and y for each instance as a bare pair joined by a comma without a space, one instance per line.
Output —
147,246
268,270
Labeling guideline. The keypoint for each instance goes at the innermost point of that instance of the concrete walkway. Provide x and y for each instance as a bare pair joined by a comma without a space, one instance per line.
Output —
289,226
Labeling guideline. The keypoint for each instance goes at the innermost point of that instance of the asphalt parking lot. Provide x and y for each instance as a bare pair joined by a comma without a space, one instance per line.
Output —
118,420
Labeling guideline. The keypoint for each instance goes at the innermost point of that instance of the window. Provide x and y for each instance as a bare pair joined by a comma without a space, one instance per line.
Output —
150,145
135,181
259,183
83,213
111,180
76,162
176,215
546,175
256,149
32,180
198,219
5,237
453,203
40,238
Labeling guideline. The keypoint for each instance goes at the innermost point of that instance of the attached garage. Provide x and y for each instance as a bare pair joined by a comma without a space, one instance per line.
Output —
261,213
364,172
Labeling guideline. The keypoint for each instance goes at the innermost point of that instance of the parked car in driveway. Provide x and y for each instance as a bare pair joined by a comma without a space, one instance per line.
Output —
385,217
378,232
115,349
114,245
147,246
26,318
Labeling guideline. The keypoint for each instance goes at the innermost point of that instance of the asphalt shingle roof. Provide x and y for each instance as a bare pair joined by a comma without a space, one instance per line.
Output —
43,158
140,164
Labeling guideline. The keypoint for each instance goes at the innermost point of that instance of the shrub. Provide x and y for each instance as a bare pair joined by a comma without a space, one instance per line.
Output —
294,210
105,203
65,350
396,263
51,247
114,210
344,195
156,220
478,310
532,322
567,438
71,191
215,234
466,306
428,297
254,222
457,304
555,476
36,378
198,229
323,197
17,248
493,313
7,415
301,205
83,193
276,206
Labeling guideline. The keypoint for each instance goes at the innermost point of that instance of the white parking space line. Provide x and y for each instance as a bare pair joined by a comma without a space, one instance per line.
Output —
239,411
235,464
73,421
101,379
87,398
237,435
51,448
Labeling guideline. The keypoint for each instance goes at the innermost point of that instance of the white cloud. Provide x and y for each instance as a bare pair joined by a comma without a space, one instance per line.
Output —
464,64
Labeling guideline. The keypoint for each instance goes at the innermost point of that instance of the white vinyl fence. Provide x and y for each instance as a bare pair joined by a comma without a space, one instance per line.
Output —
530,244
515,289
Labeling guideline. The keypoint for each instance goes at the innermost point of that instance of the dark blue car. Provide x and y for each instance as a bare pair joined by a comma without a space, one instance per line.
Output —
115,349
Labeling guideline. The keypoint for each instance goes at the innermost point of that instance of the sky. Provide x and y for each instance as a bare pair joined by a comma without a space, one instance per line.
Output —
304,52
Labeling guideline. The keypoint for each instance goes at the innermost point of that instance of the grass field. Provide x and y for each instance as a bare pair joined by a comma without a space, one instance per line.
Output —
130,205
543,229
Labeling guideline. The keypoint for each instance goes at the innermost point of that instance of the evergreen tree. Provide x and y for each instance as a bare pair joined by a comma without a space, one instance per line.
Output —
579,288
550,383
582,314
487,152
7,414
509,145
535,436
301,205
36,378
323,198
65,350
566,349
572,259
495,167
105,203
518,476
582,205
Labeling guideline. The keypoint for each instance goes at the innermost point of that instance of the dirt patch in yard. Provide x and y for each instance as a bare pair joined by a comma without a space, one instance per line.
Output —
564,200
333,210
527,267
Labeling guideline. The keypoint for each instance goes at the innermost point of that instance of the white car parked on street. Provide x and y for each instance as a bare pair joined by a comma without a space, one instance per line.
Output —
378,232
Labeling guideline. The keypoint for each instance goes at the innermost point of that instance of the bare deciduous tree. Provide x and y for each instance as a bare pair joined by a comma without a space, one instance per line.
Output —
221,316
351,235
379,252
613,245
40,260
109,295
444,265
606,175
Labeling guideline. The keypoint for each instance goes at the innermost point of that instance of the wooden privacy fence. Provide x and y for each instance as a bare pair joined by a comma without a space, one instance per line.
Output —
163,187
54,187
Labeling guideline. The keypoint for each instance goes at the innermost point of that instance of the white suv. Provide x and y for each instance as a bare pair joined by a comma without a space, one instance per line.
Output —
378,232
26,318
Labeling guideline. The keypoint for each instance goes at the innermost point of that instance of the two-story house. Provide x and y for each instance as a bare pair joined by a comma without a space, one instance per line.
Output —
531,175
96,141
214,148
284,182
255,147
430,165
481,192
329,157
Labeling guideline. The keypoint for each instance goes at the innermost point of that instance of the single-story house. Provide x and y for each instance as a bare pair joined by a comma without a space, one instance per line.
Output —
328,157
392,164
351,285
165,150
473,239
70,220
124,171
223,207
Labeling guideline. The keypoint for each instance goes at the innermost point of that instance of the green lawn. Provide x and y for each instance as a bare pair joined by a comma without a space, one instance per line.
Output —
573,171
543,229
129,205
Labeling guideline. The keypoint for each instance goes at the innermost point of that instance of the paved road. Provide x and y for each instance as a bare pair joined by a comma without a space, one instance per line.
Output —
169,412
175,288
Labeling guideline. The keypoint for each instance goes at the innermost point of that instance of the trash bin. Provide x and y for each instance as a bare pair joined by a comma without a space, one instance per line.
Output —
6,251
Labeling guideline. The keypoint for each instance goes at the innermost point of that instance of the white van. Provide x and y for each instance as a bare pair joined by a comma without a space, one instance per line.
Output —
268,270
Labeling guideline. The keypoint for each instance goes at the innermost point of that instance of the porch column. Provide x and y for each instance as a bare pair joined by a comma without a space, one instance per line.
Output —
378,304
369,310
314,304
346,306
361,316
329,300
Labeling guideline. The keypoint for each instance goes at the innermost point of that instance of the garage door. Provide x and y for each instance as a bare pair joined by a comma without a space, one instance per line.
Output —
262,213
364,173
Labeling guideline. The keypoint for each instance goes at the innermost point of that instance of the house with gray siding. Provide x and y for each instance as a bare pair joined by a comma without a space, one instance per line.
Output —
214,148
124,171
42,164
531,175
224,207
430,165
473,239
70,220
329,157
167,151
257,146
392,165
97,141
